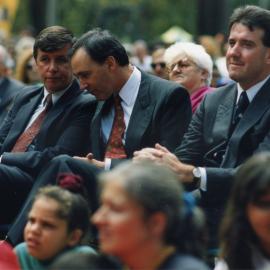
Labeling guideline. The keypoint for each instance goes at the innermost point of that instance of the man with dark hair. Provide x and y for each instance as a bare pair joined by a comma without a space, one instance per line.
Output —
134,110
43,122
232,123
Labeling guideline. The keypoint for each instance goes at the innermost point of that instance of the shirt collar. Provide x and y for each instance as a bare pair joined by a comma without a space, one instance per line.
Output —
252,91
128,92
56,95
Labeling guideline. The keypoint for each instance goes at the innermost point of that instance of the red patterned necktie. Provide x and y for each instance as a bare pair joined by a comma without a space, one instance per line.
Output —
115,147
30,133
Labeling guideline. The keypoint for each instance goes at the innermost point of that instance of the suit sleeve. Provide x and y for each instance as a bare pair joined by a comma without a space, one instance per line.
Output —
191,150
7,123
173,118
73,141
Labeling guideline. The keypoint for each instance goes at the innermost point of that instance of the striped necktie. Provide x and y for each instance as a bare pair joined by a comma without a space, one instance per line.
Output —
30,133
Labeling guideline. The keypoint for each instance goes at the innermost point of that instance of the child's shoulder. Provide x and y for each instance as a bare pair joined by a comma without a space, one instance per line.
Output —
83,249
21,248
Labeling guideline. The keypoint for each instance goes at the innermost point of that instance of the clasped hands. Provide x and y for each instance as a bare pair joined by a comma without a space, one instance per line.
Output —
163,156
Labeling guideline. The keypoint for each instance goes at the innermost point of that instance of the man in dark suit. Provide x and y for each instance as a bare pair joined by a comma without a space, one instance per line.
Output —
232,123
9,88
62,131
153,110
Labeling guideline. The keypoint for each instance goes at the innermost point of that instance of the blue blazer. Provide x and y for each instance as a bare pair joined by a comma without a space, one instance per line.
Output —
63,131
9,88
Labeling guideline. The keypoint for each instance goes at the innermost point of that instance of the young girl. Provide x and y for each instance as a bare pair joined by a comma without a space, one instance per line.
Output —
56,223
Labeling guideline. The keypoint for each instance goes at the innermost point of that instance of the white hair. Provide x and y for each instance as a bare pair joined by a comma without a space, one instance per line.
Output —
194,52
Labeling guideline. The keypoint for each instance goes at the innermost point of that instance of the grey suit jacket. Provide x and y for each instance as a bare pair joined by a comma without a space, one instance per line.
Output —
161,114
210,129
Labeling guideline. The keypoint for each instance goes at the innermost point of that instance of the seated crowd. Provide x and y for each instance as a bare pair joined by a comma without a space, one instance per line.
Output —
106,166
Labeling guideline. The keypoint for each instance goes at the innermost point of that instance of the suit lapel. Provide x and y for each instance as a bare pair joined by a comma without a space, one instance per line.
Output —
140,117
254,112
222,124
95,132
58,109
20,120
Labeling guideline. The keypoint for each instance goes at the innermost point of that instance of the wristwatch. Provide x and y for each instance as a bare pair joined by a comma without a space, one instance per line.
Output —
197,176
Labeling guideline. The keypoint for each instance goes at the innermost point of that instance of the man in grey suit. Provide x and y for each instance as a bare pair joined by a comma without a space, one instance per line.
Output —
232,123
153,111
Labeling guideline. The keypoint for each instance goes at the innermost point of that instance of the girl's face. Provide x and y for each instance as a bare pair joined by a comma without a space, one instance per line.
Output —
120,222
46,234
259,217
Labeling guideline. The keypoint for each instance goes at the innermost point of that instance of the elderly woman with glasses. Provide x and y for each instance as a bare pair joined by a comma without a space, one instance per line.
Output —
191,66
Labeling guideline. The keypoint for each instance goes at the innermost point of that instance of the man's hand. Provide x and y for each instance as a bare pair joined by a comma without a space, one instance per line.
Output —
184,171
151,154
90,159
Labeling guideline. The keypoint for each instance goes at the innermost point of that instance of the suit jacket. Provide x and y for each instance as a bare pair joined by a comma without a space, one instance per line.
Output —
63,131
9,88
161,114
210,131
183,262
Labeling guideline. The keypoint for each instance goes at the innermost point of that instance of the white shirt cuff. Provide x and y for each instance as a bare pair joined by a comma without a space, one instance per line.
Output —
203,186
107,165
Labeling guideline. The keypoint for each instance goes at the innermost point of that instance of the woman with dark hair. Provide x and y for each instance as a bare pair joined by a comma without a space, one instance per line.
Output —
245,230
143,221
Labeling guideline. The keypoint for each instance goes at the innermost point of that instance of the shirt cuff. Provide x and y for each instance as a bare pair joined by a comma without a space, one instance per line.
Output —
203,182
107,165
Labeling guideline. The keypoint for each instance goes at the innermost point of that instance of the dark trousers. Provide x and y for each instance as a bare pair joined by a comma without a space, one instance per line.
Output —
60,164
15,185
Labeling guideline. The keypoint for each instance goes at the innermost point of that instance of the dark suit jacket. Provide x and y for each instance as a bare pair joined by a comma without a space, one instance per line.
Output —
161,114
64,130
9,88
210,129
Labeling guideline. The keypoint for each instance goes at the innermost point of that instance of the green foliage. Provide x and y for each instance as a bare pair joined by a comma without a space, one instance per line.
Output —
128,19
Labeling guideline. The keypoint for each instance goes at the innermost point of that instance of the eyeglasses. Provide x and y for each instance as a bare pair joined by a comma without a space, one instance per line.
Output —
182,65
161,64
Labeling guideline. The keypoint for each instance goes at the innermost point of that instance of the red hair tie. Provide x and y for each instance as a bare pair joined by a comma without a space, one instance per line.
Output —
71,182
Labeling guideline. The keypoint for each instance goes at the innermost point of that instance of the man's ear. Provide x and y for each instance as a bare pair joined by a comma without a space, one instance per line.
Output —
111,63
268,56
75,237
157,224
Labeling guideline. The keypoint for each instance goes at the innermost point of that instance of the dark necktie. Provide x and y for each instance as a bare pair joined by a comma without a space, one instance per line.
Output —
115,147
30,133
241,107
